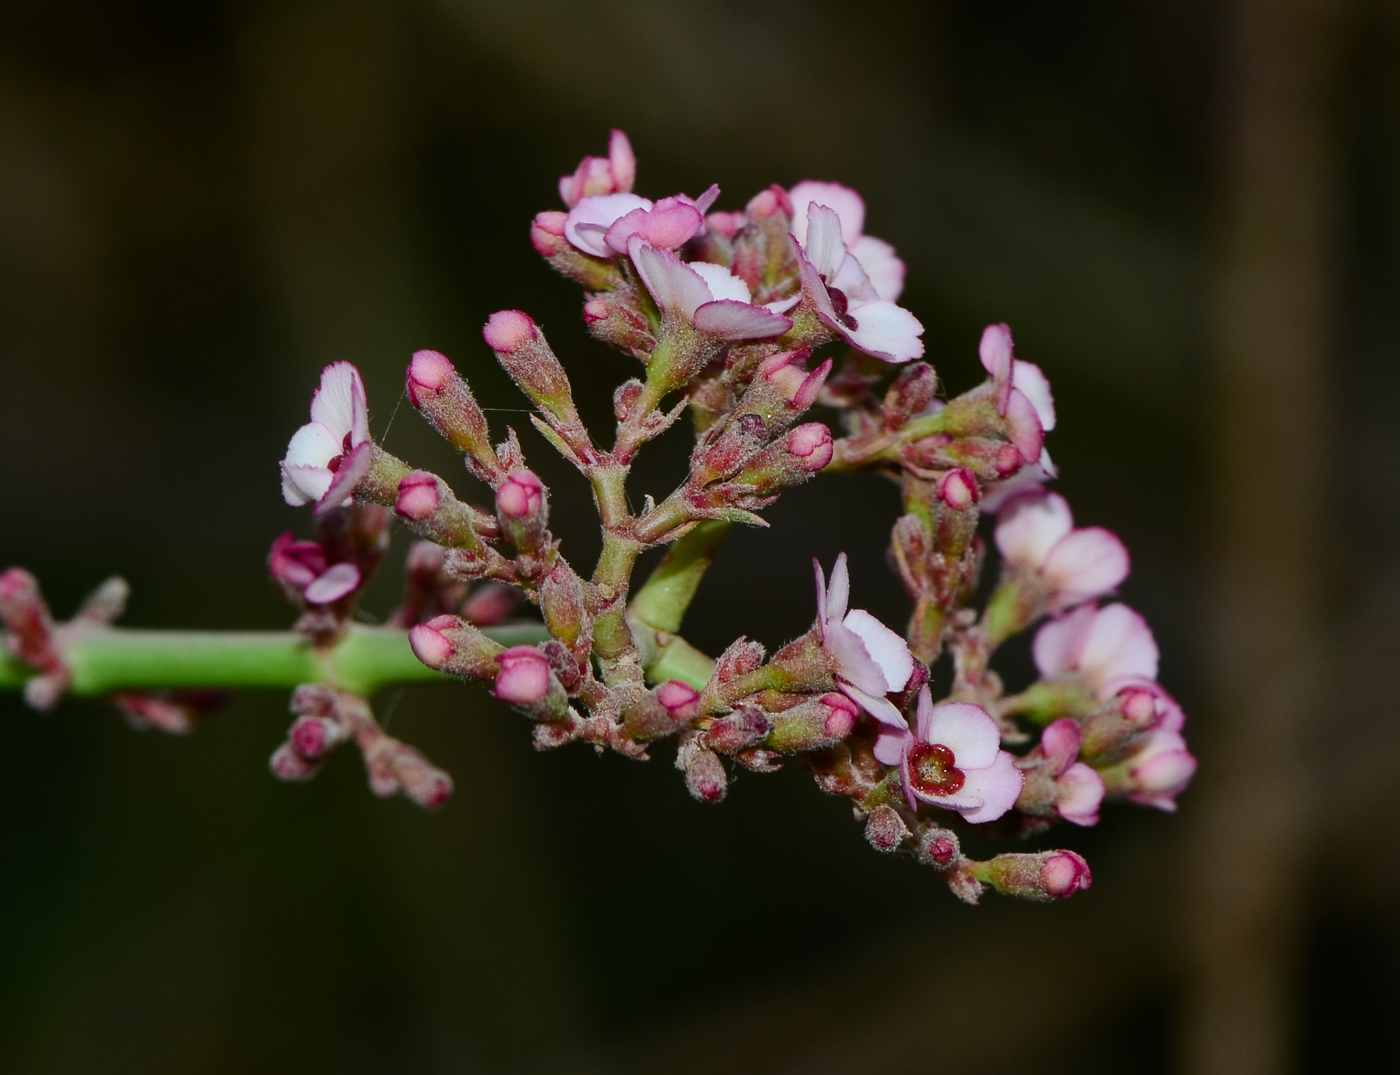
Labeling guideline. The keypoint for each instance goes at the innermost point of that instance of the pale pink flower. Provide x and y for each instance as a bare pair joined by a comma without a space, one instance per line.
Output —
339,424
1159,770
300,566
845,299
871,660
876,257
1022,395
707,296
1036,534
953,759
604,224
1079,789
613,174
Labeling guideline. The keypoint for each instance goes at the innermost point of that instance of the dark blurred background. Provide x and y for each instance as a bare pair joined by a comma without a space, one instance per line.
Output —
1189,212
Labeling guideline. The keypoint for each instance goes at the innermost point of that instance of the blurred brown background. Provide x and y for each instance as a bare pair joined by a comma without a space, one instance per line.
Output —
1189,212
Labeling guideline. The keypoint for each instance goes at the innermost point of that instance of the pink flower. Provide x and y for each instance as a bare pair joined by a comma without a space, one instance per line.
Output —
603,225
339,423
707,296
1036,534
871,660
1022,395
1158,771
845,299
953,759
876,257
300,567
524,676
1079,789
812,446
520,495
612,174
1107,647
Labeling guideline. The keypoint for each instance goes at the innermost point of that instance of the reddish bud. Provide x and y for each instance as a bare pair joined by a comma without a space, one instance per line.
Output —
704,774
445,400
520,495
524,676
430,645
680,700
885,830
287,764
768,202
295,564
938,847
841,715
507,331
1048,875
958,489
811,445
491,603
429,372
314,737
418,496
745,727
912,393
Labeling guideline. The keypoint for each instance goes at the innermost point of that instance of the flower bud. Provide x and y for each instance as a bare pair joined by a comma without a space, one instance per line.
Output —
523,509
294,564
912,392
521,348
561,602
1042,877
789,461
287,764
1118,723
524,676
435,388
704,773
314,737
680,700
938,847
958,489
885,830
815,724
451,645
547,237
811,444
747,726
739,659
618,324
418,496
173,712
418,778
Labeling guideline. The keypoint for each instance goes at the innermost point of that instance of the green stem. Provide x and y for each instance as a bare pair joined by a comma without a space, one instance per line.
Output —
664,597
367,659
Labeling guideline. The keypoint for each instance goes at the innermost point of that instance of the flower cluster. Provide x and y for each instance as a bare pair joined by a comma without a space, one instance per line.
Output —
728,314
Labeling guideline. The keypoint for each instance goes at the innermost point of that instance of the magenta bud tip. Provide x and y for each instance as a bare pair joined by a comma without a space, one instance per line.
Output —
1065,873
680,700
841,718
418,496
812,445
429,644
509,330
524,676
521,494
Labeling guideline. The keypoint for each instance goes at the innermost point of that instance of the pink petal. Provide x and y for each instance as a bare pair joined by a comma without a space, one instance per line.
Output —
722,283
884,331
313,445
882,709
1118,643
1028,379
848,206
1060,742
824,245
351,472
821,598
1030,526
968,731
881,264
923,713
338,580
1023,425
838,594
814,290
339,400
1085,564
674,285
998,787
670,224
304,484
622,161
851,280
995,352
705,200
1080,794
1029,479
891,744
589,220
730,320
782,306
1162,778
886,648
1059,643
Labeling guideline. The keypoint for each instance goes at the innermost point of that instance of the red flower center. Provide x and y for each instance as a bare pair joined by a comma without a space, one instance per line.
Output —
931,770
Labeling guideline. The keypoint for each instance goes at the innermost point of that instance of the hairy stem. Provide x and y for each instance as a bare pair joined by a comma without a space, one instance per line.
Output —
367,659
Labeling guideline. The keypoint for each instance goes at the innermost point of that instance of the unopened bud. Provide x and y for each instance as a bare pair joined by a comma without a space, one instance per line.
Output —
958,489
491,603
912,392
1045,876
547,237
451,645
704,774
742,657
626,397
418,496
811,444
524,676
1120,721
770,202
521,348
618,324
420,780
523,509
815,724
938,847
561,602
287,764
680,700
314,737
885,830
435,388
295,564
747,726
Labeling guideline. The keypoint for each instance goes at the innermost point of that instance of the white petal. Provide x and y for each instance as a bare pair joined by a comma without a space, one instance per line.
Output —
838,594
599,212
1118,643
891,744
968,731
886,648
885,331
846,203
1027,376
821,597
1085,564
853,661
881,708
731,320
339,400
1030,526
303,484
998,786
850,278
674,285
1080,794
824,246
995,352
313,445
782,306
1059,643
337,581
722,283
882,265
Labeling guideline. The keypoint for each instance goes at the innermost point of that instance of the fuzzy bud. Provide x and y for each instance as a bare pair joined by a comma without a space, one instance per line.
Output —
523,510
521,349
745,727
680,700
287,764
704,772
547,237
958,489
1042,877
491,603
618,324
524,676
451,645
938,847
1121,720
885,830
561,601
912,392
815,724
419,498
314,737
440,394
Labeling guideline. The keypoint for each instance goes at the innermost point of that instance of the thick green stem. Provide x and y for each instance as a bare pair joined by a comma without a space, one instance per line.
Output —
663,599
367,659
